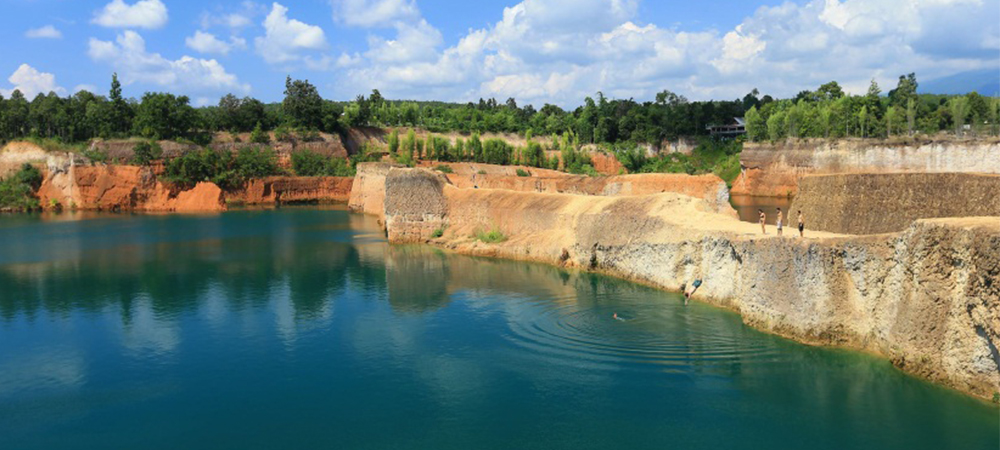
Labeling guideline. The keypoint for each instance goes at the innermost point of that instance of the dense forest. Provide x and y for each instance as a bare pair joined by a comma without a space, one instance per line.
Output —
829,113
826,112
624,128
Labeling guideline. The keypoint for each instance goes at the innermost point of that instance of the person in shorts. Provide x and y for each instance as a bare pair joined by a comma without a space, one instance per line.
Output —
802,224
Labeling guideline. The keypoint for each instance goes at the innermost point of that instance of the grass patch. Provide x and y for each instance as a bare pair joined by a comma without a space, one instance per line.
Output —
481,172
55,145
493,236
523,173
444,169
437,233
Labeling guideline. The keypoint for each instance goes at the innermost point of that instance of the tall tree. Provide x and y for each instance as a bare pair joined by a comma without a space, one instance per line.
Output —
121,111
906,90
302,104
959,108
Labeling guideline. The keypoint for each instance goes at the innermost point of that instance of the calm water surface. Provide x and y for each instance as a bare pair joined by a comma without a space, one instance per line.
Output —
302,328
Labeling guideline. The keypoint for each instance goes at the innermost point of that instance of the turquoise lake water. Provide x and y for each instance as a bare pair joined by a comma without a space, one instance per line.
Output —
302,328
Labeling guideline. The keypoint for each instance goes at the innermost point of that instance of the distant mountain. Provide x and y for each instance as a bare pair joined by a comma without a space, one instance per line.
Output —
984,81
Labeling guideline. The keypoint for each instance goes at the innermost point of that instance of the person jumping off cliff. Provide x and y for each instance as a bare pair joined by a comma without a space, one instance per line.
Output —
802,224
778,222
763,221
694,288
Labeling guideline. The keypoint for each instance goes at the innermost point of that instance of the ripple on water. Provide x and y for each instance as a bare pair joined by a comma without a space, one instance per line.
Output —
659,333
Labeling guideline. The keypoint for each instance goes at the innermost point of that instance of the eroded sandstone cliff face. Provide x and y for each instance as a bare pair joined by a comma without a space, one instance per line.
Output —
122,188
277,190
368,191
927,298
707,187
774,169
884,203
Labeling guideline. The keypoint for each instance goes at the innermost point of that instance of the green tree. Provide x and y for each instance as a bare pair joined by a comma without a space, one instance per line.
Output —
475,148
959,108
825,119
121,111
259,136
911,115
302,104
393,142
776,126
307,163
146,152
892,119
906,90
164,116
863,120
830,91
410,143
756,126
17,191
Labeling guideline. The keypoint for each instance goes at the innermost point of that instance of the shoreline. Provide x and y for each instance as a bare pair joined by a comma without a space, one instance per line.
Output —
442,245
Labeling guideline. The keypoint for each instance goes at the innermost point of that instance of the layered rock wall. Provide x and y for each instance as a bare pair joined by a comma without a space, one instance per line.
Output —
277,190
774,169
414,206
122,188
883,203
134,188
927,298
368,190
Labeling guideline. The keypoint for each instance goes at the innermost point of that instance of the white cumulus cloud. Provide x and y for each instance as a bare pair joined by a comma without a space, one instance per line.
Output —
368,13
205,42
129,57
46,32
31,82
560,51
142,14
284,38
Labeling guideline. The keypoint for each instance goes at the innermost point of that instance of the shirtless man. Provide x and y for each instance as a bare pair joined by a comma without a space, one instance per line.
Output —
763,221
779,221
802,224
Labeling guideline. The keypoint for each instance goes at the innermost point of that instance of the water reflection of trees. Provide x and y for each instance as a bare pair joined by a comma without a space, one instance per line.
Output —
176,276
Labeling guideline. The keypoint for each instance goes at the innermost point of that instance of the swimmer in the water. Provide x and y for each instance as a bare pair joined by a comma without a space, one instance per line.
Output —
615,315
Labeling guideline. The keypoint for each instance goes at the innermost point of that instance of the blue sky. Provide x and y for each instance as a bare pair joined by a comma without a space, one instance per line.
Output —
538,51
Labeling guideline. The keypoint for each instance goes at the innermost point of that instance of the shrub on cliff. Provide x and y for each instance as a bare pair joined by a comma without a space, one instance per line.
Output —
493,236
444,169
523,173
307,163
17,191
251,162
282,134
633,157
146,152
258,136
222,168
194,167
497,151
393,142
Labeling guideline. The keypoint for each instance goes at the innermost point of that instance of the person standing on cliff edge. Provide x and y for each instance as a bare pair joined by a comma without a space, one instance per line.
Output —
802,224
778,222
763,221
